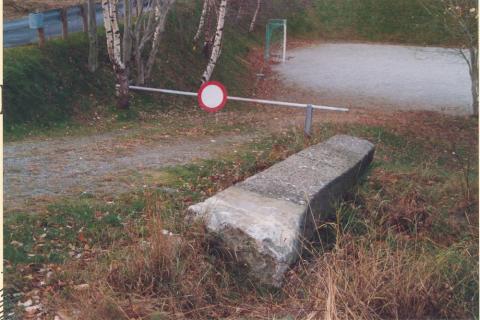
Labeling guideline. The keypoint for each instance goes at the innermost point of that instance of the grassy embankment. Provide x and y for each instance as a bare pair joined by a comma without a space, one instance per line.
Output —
49,90
402,21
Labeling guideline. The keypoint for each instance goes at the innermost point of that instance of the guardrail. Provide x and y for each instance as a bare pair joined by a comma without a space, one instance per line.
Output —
18,32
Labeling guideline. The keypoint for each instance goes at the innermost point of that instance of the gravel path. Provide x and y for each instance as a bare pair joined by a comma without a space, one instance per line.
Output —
98,164
392,76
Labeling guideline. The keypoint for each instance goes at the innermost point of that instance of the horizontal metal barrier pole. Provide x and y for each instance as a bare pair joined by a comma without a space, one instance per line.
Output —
287,104
260,101
182,93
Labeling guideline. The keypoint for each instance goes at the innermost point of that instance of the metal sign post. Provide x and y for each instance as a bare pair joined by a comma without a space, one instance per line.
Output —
272,25
307,129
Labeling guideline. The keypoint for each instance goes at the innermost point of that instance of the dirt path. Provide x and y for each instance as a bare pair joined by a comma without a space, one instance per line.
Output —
104,165
97,164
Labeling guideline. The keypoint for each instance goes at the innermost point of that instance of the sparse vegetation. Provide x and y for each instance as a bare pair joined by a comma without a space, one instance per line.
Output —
404,244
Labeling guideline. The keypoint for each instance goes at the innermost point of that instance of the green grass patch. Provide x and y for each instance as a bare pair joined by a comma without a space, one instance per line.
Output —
49,89
404,21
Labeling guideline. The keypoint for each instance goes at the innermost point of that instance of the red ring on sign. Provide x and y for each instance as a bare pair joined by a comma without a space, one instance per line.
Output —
203,105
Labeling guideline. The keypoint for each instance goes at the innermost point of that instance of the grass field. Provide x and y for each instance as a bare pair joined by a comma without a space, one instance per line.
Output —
404,243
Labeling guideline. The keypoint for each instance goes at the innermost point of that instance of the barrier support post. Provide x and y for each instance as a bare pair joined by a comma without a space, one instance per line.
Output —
64,18
307,130
41,37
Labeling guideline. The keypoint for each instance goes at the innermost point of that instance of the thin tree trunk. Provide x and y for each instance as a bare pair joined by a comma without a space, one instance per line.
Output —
123,89
216,51
41,37
239,12
143,32
84,14
127,36
206,4
92,36
474,78
161,19
110,15
64,18
140,68
255,15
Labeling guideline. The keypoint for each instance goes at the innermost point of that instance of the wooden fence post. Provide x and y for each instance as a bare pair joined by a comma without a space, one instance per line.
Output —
83,13
64,18
41,37
35,22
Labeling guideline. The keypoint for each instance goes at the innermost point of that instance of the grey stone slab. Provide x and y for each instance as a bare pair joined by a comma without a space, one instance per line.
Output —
262,233
305,174
263,221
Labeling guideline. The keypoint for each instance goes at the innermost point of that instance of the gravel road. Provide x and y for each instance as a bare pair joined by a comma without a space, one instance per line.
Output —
389,76
100,164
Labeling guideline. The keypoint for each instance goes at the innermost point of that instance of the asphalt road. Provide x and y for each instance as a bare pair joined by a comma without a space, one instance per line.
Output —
385,76
17,32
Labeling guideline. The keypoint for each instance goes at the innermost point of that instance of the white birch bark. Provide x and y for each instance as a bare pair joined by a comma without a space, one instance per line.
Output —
255,15
110,14
161,12
114,48
201,24
216,43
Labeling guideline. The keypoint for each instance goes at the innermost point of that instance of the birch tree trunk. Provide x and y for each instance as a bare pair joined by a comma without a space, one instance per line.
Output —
255,15
110,17
127,34
92,36
201,24
216,50
161,12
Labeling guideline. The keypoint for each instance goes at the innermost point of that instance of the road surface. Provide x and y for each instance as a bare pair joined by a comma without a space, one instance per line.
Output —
385,76
17,32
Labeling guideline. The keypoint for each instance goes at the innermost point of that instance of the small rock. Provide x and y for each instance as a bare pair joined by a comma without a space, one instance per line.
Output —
33,309
16,243
81,287
167,233
27,303
62,316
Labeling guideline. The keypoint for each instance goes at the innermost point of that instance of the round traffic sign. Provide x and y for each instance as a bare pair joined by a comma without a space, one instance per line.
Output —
212,96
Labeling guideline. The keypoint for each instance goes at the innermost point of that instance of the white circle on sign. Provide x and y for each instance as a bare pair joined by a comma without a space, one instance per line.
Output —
212,96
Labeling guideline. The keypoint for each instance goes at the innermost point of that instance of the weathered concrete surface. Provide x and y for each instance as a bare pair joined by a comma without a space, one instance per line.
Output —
262,221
